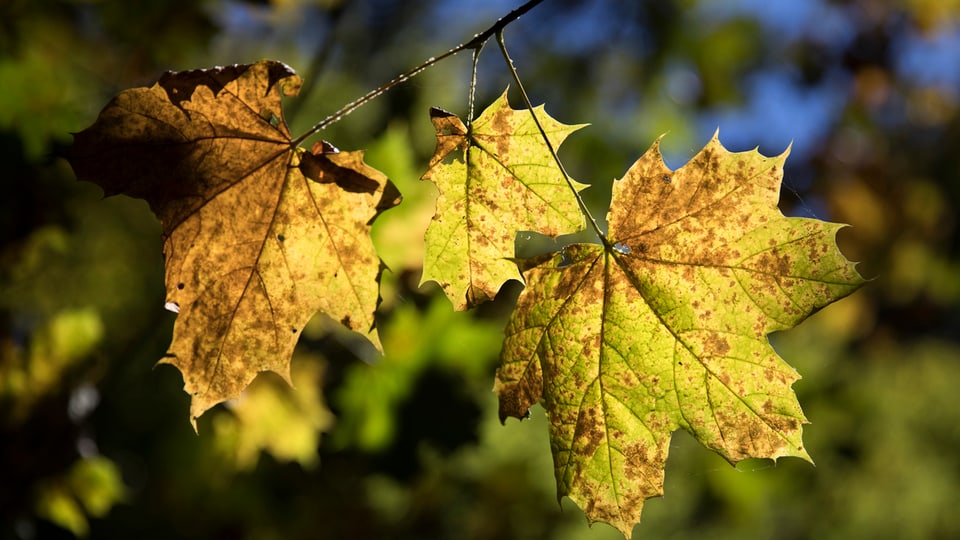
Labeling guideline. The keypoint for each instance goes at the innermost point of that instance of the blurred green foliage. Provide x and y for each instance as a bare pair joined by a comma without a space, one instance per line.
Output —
94,441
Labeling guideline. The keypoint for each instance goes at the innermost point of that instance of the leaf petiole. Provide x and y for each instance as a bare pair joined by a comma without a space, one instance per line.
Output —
526,101
473,84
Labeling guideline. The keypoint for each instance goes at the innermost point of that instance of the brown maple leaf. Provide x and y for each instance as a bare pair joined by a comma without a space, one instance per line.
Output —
258,234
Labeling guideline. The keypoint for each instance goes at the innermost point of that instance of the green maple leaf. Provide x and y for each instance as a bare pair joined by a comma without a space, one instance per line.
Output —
258,234
495,179
667,327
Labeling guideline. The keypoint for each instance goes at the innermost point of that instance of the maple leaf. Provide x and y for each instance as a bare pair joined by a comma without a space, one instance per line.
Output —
503,180
667,328
258,234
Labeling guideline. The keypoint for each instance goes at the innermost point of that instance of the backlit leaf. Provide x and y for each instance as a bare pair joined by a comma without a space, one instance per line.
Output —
667,327
258,234
495,179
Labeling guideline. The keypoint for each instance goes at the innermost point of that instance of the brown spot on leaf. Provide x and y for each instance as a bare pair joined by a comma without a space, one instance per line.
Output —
516,397
589,433
716,344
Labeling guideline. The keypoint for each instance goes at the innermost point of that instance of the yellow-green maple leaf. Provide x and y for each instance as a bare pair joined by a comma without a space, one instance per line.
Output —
667,328
496,178
258,234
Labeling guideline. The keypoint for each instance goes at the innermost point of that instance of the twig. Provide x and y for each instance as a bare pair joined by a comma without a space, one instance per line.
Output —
475,43
553,151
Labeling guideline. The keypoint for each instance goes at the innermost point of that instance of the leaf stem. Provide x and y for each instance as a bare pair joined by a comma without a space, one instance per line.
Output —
475,43
473,84
526,101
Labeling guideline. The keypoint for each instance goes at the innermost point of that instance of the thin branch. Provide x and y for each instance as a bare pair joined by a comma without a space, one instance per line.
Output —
553,151
475,43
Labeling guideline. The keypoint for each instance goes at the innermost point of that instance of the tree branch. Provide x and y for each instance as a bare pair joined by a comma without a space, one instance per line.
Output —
475,43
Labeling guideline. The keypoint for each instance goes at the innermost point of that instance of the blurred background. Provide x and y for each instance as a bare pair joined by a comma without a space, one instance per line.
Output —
95,441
